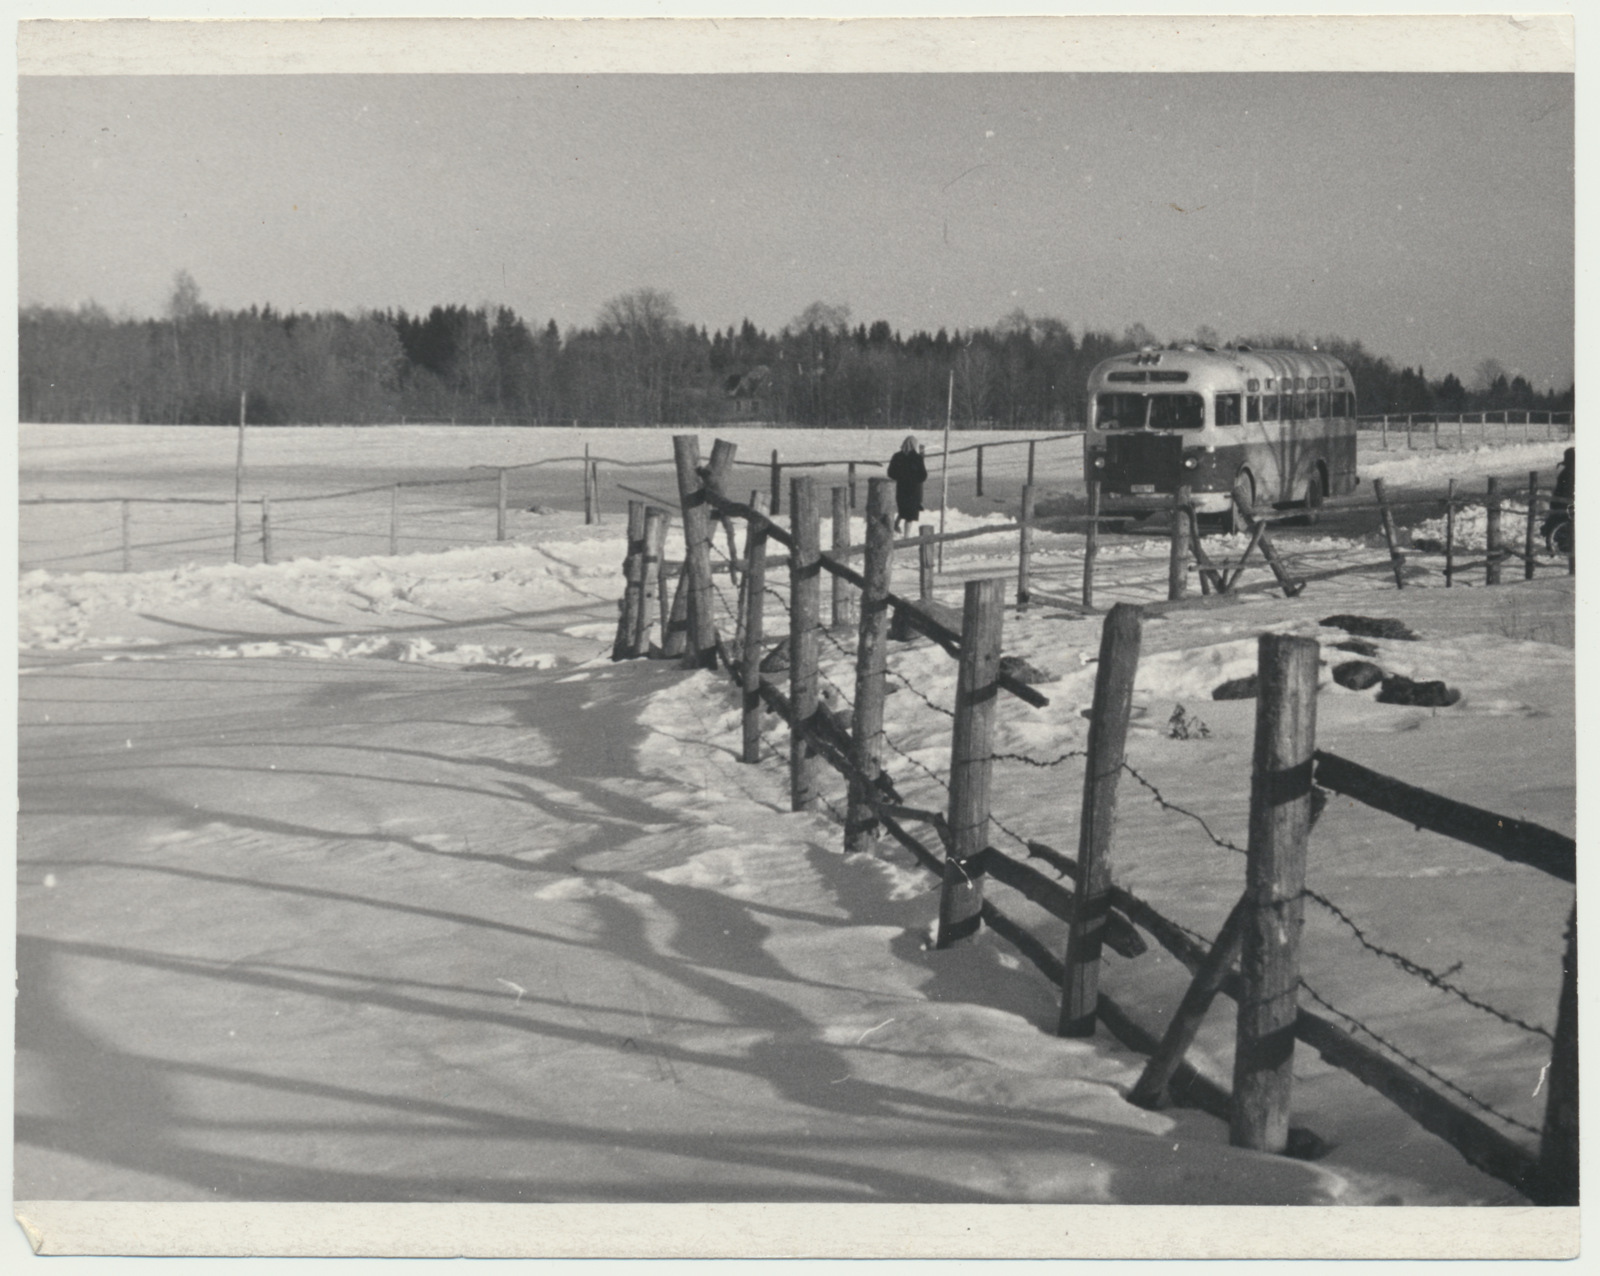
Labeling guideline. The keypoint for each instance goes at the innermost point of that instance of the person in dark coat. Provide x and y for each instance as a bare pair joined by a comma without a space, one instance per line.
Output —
909,472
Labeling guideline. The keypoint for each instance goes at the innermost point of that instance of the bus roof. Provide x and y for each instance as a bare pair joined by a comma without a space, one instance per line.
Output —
1210,367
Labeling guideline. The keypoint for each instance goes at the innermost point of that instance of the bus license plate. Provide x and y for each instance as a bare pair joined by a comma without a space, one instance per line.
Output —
1144,487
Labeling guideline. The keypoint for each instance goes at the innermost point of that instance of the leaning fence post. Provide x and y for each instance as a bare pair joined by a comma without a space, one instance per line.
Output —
842,589
394,520
633,585
1529,537
1269,962
1450,535
674,616
866,726
1397,560
655,539
266,529
127,540
500,508
804,617
755,598
1178,547
1491,567
971,759
1557,1173
1108,739
702,649
1025,545
1091,543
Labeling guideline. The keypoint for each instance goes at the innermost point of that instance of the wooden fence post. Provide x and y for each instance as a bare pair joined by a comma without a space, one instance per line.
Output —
1025,546
843,590
1491,569
1397,560
1108,738
925,560
1178,547
633,586
594,486
1269,963
1461,430
588,489
266,529
804,620
702,647
755,599
777,485
500,508
1032,444
1435,434
1557,1175
655,540
1409,444
971,759
674,616
127,539
1385,431
1091,543
394,520
1530,537
850,482
980,470
1450,535
866,727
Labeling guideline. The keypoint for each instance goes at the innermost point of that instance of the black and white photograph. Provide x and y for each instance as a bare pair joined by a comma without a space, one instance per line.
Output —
690,617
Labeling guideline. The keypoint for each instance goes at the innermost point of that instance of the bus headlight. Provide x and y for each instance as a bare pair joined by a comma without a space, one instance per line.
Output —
1099,462
1191,462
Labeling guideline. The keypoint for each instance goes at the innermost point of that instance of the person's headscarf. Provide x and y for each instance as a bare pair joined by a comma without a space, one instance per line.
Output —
910,444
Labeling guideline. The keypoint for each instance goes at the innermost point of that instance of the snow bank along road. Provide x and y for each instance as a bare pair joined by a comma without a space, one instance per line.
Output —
372,879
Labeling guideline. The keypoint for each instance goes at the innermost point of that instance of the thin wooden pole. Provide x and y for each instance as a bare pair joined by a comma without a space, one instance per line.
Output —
1178,547
588,488
1032,444
1450,535
633,586
675,619
500,507
1107,746
1397,560
850,482
655,540
1461,430
127,538
971,759
843,591
1529,539
702,647
1280,818
925,563
980,469
1557,1176
804,620
1491,570
394,520
1025,545
1385,431
1091,543
238,488
266,529
1150,1091
1409,444
866,726
944,462
777,484
594,486
755,600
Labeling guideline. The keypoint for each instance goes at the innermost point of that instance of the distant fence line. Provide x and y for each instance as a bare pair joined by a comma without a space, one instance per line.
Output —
1435,426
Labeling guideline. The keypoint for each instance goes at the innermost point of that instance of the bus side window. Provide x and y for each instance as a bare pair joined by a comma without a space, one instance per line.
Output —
1252,407
1227,409
1269,406
1295,409
1314,406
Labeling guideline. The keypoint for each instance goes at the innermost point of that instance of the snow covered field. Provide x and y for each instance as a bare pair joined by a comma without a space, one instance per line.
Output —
372,878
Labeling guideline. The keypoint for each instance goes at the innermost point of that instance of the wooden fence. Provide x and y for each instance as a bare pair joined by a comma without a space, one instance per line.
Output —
1255,957
1443,429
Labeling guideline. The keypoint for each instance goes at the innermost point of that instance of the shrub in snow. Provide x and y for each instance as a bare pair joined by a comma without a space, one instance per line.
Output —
1397,689
1180,726
1358,675
1368,627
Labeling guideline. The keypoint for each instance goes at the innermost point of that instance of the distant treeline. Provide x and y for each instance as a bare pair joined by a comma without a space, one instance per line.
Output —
638,364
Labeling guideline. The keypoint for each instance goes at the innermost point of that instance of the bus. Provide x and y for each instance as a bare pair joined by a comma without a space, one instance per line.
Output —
1276,426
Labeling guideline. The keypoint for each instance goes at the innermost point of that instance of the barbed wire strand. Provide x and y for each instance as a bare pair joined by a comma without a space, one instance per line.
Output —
1166,805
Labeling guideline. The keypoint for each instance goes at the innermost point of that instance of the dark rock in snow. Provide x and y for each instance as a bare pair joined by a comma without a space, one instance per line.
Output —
1358,675
776,660
1356,645
1368,627
1236,689
1018,668
1429,695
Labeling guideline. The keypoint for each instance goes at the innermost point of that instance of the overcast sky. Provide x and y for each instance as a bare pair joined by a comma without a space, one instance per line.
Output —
1428,215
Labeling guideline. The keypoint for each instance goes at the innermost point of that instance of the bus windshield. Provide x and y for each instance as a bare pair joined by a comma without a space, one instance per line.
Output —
1152,411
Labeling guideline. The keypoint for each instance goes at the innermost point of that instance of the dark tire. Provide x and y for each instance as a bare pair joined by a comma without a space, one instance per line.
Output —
1561,539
